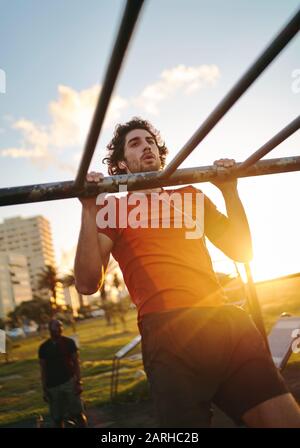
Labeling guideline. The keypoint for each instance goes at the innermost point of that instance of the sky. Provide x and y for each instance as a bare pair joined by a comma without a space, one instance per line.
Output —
183,59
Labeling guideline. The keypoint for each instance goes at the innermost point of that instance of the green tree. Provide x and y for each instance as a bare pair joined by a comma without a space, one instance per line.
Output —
37,309
69,280
48,279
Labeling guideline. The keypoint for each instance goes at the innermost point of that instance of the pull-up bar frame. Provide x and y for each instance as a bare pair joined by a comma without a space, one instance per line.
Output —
170,176
127,25
255,70
138,181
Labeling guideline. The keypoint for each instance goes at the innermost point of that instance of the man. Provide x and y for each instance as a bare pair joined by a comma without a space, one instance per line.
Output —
60,374
196,350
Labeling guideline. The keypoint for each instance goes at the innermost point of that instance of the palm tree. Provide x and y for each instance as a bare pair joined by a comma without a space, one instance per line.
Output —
69,280
48,279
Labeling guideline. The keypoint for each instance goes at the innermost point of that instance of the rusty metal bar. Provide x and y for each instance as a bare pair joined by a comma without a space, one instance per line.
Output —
271,144
129,19
282,39
138,181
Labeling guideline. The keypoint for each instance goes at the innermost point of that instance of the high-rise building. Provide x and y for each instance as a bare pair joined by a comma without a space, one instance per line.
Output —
30,237
14,281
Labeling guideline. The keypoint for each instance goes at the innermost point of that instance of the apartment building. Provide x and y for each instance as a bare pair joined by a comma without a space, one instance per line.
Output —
30,237
15,284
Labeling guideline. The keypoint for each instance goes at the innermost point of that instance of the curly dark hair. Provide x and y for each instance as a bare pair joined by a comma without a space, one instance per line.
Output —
116,146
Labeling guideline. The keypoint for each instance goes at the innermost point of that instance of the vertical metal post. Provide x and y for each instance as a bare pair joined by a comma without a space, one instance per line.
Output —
254,305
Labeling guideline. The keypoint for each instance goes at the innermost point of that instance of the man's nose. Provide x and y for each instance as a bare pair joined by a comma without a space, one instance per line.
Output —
147,147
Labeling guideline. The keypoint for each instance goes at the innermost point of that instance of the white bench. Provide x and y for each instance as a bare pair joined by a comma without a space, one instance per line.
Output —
282,339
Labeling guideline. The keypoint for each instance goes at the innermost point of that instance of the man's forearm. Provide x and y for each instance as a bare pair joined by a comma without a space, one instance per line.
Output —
77,374
76,367
239,231
88,262
43,378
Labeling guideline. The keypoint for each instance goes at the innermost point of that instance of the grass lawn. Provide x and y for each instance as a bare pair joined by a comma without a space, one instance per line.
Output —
20,386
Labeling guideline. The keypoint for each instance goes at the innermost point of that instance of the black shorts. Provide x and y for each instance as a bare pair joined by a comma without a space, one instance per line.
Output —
196,357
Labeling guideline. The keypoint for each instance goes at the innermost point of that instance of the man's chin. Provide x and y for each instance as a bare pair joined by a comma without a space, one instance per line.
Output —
150,167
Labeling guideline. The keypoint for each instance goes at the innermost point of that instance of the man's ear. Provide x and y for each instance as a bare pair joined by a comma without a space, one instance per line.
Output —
122,165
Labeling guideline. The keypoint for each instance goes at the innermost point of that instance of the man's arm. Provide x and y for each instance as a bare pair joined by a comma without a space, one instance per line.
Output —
93,248
43,378
77,375
235,240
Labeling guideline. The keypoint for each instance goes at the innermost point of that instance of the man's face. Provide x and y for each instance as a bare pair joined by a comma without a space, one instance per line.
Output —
141,152
56,329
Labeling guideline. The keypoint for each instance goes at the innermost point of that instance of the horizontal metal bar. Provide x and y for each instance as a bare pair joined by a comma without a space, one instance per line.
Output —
261,63
129,19
271,144
138,181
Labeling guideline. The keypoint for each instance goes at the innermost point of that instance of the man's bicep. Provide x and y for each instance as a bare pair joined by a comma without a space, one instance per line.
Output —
105,246
215,223
220,234
216,231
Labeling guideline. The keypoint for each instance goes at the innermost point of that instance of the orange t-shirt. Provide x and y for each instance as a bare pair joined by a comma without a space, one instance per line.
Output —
162,268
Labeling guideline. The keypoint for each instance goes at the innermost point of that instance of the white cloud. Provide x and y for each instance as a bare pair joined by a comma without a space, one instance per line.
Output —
35,141
71,114
70,118
16,153
77,156
188,79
